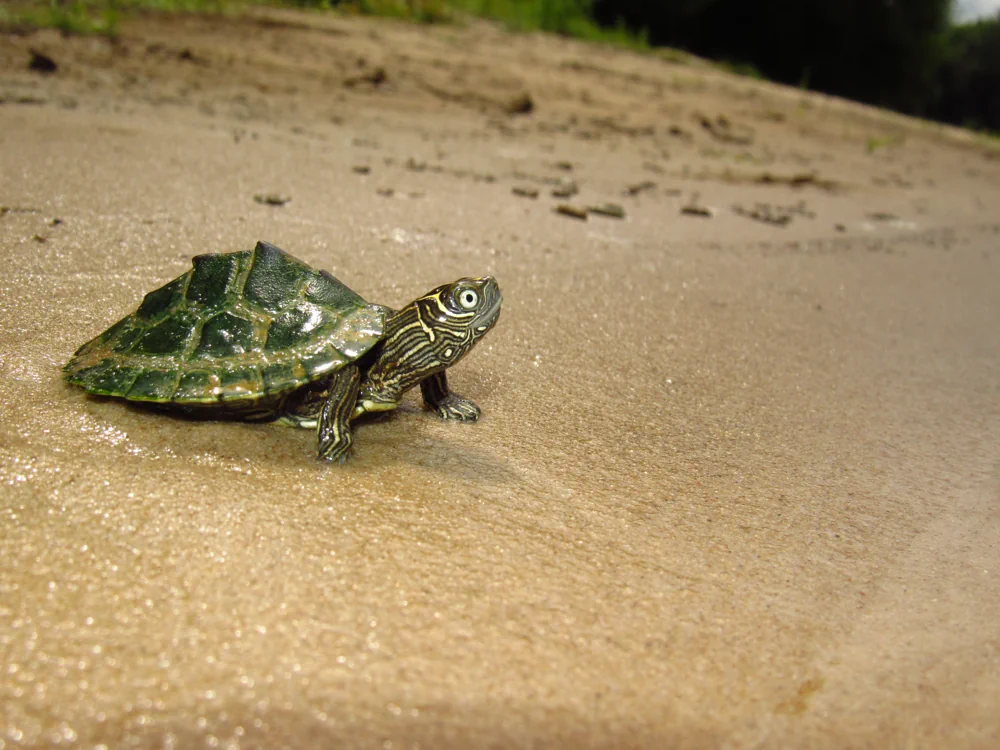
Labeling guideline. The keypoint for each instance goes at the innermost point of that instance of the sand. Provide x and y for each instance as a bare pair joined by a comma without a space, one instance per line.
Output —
737,480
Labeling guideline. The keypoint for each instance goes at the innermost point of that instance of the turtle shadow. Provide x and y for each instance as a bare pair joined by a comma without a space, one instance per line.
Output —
413,439
403,440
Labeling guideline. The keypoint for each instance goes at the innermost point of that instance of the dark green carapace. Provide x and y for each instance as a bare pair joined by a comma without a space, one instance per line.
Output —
259,334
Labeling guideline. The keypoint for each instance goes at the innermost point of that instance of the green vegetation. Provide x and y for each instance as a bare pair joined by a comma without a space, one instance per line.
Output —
875,143
565,17
70,18
969,79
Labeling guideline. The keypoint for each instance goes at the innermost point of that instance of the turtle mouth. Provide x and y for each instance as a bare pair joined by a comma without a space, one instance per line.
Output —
486,319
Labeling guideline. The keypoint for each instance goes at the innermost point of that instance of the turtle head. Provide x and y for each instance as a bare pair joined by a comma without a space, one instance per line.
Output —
455,316
433,332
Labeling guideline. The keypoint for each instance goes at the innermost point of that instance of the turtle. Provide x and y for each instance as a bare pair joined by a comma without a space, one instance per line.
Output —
260,335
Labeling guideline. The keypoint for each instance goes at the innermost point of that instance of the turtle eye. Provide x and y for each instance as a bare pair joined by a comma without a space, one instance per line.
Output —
468,299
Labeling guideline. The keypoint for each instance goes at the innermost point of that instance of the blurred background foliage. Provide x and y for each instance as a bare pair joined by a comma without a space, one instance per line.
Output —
906,55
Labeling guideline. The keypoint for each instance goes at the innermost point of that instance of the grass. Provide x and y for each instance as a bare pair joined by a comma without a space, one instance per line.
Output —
565,17
70,18
102,16
876,143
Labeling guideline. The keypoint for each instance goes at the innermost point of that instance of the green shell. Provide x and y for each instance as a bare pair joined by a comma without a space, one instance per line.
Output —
236,329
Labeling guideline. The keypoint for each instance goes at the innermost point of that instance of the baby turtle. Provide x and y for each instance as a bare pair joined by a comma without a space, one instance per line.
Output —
260,335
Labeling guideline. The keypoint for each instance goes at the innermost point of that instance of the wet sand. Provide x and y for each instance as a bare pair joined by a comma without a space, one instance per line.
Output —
737,479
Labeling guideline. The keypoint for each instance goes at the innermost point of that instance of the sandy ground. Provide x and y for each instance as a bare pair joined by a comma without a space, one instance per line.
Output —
737,481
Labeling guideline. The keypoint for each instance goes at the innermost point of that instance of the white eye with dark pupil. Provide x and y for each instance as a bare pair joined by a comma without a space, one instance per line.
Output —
468,299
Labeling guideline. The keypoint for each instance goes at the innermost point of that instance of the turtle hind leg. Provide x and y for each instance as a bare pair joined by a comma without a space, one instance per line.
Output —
302,409
297,420
448,405
334,434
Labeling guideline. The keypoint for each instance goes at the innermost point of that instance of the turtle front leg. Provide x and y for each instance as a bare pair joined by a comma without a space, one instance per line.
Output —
334,433
448,405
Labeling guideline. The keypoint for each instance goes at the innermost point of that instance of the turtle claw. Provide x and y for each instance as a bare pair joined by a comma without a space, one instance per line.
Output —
330,450
454,406
448,405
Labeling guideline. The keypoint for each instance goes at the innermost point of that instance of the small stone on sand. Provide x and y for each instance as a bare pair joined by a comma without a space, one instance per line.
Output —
574,211
271,199
611,210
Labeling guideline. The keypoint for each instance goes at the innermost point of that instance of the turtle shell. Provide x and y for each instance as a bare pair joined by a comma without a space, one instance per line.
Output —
236,329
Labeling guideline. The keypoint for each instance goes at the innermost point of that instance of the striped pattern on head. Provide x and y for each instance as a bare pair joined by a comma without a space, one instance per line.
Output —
435,331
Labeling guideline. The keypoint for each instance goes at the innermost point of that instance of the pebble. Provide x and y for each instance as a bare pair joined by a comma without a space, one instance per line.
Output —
574,211
271,199
611,210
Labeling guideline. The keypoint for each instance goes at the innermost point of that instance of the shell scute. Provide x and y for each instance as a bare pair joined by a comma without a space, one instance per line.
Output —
212,279
324,290
123,335
225,335
108,378
168,337
325,360
163,300
274,278
282,376
154,385
355,329
198,386
294,326
240,384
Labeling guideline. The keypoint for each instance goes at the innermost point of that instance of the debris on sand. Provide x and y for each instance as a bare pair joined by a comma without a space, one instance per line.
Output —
524,192
765,213
694,208
768,213
41,63
611,210
639,187
188,56
520,104
271,199
803,179
574,212
565,189
374,78
721,129
361,169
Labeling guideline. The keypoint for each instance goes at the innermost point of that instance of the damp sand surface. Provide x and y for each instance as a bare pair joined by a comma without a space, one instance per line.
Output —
737,479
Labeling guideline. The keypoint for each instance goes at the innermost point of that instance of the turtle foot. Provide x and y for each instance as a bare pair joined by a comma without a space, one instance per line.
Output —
454,406
335,450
